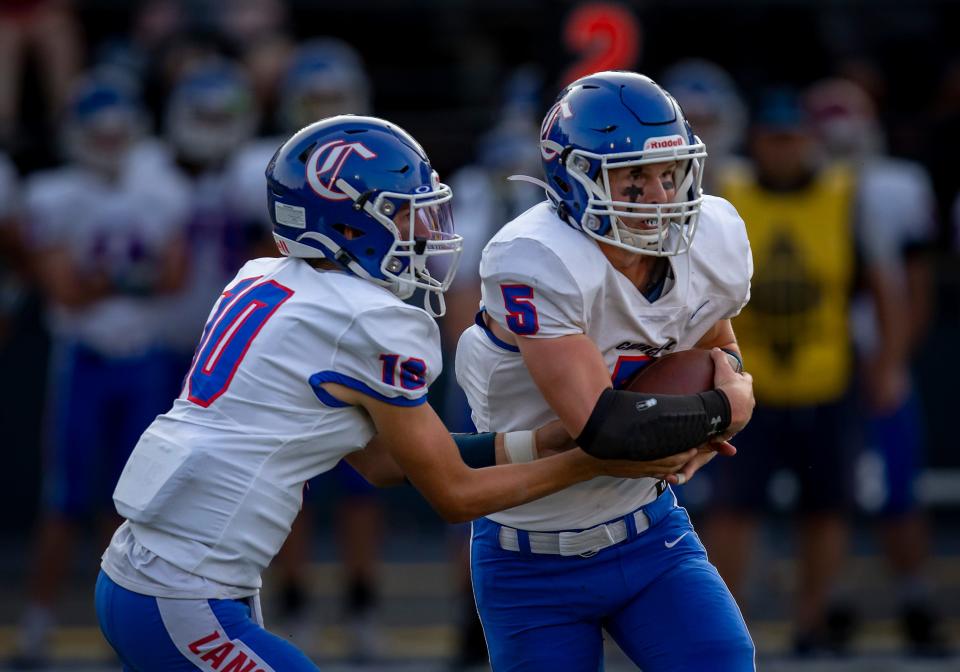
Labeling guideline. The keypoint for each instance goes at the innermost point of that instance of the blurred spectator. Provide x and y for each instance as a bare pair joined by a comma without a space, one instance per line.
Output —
714,108
47,31
484,200
796,341
245,22
942,132
13,263
324,78
210,115
105,236
896,229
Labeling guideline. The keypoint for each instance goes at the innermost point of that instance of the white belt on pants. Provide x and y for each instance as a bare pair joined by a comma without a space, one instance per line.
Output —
584,543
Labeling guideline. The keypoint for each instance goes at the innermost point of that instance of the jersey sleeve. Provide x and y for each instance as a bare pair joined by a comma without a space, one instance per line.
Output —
529,290
46,198
391,354
896,211
729,256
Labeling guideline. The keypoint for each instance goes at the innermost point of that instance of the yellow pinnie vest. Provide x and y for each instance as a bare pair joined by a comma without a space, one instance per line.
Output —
794,333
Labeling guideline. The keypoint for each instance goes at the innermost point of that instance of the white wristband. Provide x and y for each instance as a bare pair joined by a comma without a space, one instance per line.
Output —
519,446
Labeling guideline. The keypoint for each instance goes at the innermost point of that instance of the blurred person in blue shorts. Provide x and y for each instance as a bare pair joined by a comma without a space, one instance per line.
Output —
106,232
896,220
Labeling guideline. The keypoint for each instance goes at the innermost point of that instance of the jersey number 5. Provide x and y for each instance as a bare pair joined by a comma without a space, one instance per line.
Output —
241,314
521,313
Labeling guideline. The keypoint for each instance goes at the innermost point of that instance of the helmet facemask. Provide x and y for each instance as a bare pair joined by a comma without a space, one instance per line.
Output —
426,252
667,228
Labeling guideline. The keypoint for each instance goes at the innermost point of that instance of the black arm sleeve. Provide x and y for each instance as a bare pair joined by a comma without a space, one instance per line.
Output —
635,426
477,450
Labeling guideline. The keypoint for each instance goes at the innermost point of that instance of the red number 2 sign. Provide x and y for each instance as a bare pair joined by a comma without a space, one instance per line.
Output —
606,35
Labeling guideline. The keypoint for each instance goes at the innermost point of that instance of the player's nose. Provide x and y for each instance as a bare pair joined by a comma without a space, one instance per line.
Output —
654,193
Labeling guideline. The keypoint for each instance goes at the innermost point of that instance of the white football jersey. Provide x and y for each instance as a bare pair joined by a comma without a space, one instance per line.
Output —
123,229
896,208
543,279
214,484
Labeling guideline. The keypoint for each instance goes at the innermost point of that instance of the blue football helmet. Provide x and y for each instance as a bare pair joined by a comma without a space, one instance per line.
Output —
711,101
325,78
612,120
211,112
103,121
361,192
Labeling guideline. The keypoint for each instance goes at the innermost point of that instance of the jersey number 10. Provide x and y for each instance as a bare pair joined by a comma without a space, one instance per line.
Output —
239,317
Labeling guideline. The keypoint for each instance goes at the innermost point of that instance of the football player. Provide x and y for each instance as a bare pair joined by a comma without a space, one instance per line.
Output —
324,78
580,292
106,236
306,360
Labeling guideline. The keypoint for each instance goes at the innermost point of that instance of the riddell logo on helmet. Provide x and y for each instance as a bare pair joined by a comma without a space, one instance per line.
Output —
665,142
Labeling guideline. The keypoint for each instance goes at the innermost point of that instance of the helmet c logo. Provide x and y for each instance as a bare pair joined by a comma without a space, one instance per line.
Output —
322,176
548,148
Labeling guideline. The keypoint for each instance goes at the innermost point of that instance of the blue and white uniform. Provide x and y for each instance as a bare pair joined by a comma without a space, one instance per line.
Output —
213,486
106,365
895,216
608,552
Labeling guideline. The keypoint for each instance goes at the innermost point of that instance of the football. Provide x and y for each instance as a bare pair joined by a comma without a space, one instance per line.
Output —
684,372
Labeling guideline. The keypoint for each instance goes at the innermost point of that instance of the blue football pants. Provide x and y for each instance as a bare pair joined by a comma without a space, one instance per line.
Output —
152,634
656,594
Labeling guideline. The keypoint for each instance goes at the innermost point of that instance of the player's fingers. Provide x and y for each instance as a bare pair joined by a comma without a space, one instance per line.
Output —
724,448
722,371
675,462
692,467
695,466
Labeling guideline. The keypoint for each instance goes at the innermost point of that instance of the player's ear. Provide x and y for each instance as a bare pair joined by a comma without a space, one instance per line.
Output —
348,232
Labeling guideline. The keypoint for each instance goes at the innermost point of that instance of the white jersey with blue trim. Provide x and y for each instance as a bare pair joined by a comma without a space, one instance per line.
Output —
543,279
214,484
122,229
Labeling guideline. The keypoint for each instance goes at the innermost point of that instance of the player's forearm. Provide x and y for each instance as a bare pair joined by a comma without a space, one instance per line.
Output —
486,491
892,317
570,374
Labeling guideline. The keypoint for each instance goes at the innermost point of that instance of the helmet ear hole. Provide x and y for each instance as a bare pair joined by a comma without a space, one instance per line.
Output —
564,187
349,232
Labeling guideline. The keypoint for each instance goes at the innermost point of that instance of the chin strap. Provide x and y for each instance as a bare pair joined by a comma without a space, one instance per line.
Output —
428,303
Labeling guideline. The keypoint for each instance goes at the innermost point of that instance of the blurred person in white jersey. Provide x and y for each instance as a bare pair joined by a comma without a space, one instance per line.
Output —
307,360
896,230
210,115
578,294
714,107
105,232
